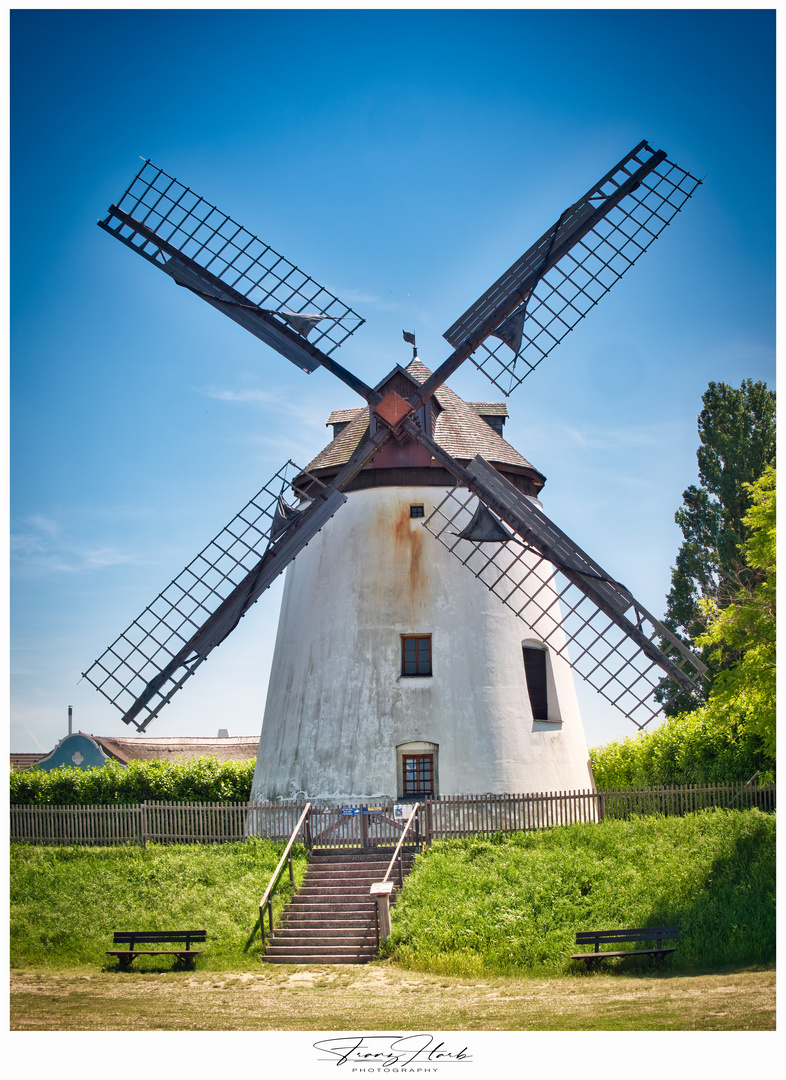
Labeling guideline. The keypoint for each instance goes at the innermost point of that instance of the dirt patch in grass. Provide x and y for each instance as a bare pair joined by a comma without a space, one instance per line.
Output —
381,997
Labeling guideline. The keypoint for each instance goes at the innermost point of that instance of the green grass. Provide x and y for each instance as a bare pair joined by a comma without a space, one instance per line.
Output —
66,902
506,905
513,903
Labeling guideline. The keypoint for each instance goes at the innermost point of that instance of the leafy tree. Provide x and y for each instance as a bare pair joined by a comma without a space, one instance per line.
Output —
737,435
746,626
731,736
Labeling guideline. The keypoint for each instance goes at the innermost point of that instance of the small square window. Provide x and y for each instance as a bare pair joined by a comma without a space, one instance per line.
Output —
416,511
416,655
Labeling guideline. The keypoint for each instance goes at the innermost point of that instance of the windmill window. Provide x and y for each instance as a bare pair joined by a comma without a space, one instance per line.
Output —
535,669
418,774
417,770
416,511
416,655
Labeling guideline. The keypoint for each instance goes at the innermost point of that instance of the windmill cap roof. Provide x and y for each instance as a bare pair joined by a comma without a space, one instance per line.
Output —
459,428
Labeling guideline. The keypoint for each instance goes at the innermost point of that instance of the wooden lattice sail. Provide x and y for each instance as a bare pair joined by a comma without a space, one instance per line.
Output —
572,606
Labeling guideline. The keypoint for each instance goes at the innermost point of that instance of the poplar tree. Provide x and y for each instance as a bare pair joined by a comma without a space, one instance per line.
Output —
737,443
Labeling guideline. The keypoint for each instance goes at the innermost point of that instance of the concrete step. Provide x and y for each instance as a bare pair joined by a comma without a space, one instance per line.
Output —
304,958
359,854
330,906
382,858
315,951
320,936
348,872
326,918
354,894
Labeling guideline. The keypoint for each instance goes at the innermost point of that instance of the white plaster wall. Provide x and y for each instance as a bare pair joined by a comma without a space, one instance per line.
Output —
337,703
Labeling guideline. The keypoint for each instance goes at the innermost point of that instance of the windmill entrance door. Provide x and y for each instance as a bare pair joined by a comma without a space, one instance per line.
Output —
372,826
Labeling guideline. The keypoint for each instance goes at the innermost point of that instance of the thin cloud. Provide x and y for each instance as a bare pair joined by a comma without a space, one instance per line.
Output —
39,547
308,415
627,436
250,396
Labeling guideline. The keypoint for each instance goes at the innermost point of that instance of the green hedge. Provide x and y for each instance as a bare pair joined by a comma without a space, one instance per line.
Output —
690,749
205,779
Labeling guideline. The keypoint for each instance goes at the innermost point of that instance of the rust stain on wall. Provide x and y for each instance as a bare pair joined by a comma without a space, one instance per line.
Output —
408,548
398,541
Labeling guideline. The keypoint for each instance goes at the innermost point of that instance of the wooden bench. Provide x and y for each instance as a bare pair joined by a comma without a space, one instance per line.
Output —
131,938
656,934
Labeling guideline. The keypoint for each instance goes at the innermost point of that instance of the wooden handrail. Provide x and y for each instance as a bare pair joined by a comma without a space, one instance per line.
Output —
383,895
401,841
266,900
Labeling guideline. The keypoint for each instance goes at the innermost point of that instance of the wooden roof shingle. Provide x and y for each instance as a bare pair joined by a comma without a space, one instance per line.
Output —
459,428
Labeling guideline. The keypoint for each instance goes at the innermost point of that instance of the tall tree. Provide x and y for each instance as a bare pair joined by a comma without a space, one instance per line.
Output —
745,693
737,443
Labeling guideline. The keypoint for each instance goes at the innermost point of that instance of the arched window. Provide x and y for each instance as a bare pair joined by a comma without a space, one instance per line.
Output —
417,770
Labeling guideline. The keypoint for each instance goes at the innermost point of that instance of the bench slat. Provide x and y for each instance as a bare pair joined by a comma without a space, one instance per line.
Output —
644,933
158,952
622,952
132,936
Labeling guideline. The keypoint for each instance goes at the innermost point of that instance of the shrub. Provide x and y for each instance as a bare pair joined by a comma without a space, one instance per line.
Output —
690,749
205,779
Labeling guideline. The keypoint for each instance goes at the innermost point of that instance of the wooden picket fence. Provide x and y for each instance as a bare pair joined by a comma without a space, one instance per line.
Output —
156,822
443,818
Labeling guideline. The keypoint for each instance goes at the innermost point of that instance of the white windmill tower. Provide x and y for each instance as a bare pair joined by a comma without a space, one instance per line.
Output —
397,671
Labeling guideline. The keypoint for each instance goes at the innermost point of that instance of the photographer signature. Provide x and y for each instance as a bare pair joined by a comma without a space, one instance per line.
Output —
389,1050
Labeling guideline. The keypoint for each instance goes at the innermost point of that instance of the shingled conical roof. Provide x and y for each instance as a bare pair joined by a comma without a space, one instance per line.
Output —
458,427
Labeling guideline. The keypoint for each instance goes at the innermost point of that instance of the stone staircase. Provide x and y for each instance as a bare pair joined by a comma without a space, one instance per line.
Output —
332,918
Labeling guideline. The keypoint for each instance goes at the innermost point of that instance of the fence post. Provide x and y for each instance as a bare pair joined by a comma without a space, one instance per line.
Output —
143,824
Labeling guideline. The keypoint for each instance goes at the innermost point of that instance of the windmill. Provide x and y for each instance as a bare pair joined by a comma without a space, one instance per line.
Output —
397,671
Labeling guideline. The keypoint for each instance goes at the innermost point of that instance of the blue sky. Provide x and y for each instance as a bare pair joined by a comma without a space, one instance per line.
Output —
404,159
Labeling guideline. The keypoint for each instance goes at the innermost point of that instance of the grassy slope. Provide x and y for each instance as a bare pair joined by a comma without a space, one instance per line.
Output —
67,901
476,906
469,907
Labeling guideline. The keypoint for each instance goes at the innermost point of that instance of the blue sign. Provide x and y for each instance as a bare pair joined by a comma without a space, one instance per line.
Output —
349,811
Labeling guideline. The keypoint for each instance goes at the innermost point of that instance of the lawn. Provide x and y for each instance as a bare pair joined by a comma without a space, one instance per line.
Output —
486,906
510,904
66,902
383,997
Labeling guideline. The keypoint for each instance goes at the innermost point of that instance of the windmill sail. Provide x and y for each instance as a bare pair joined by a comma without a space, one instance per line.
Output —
149,662
567,599
206,251
506,333
537,301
